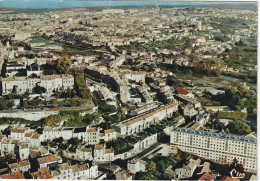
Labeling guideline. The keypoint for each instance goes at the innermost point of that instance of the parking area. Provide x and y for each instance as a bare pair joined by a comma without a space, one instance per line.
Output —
163,150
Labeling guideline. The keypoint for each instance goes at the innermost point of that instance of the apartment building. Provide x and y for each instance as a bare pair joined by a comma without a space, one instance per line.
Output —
135,76
92,136
218,147
124,175
136,165
49,82
109,135
23,166
188,170
23,151
36,140
80,132
19,133
42,173
84,153
48,160
144,109
75,172
112,79
103,154
189,110
8,146
14,68
139,123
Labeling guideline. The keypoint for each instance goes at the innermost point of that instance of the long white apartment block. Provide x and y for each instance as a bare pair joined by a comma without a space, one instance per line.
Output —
140,122
218,147
49,82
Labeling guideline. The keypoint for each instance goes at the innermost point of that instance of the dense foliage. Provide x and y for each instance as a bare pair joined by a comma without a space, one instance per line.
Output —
6,104
237,97
80,85
39,90
106,108
62,65
75,120
52,120
157,165
239,127
231,115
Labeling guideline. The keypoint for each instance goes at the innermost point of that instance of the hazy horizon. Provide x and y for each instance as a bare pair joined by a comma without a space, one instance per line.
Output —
56,4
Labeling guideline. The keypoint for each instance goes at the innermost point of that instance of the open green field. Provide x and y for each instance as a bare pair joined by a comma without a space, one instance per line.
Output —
152,46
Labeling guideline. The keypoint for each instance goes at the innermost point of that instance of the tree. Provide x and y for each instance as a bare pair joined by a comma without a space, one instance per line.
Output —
73,102
54,102
74,141
151,166
63,146
88,119
208,65
34,102
145,176
239,127
51,120
69,93
80,85
25,104
14,91
39,90
219,126
62,65
214,66
81,102
104,107
161,166
6,104
123,145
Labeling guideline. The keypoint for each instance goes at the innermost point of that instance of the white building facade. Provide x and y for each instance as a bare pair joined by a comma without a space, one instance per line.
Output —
139,123
49,82
218,147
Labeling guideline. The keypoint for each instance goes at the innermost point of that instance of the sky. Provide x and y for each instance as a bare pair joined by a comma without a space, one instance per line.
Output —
53,4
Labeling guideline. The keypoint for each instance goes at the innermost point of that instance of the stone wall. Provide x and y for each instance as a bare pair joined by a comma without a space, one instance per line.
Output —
31,116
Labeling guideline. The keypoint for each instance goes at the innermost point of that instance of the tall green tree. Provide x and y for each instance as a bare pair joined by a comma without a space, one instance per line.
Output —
80,85
54,102
151,166
62,65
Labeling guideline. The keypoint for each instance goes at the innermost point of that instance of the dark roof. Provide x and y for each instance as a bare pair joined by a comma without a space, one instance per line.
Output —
4,168
215,135
39,130
68,128
80,129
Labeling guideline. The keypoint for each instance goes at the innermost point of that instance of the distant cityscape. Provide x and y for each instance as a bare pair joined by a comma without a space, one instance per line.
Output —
134,91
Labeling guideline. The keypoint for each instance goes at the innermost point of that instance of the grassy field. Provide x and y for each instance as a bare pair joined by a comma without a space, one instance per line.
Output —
80,49
39,40
152,46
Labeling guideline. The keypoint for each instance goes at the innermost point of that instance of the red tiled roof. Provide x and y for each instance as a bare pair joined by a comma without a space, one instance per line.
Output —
18,130
43,173
206,177
14,175
47,159
126,172
18,175
6,176
182,91
36,136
